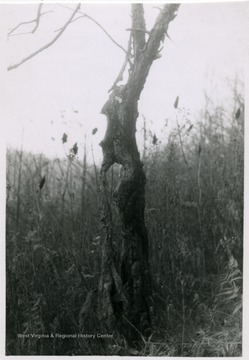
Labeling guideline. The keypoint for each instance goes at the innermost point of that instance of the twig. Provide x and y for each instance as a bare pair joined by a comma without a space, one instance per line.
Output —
127,58
79,17
36,20
107,34
99,25
38,16
48,44
22,33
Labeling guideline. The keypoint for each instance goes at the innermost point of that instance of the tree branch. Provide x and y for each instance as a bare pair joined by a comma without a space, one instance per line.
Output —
79,17
38,16
121,73
160,29
107,34
36,20
99,25
48,44
148,52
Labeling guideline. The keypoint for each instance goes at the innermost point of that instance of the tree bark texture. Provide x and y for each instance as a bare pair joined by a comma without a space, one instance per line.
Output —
124,288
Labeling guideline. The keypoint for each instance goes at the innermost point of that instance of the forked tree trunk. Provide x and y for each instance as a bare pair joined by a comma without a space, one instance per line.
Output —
125,288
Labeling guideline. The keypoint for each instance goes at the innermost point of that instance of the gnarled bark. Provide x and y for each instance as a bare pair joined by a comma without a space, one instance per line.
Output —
124,289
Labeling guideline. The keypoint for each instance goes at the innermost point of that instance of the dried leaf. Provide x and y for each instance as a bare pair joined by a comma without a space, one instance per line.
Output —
94,131
64,138
176,102
74,150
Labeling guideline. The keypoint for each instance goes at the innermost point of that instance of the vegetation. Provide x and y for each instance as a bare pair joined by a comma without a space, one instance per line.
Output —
194,217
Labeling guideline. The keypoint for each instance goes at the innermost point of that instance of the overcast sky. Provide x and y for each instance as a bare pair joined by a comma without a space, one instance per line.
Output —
64,88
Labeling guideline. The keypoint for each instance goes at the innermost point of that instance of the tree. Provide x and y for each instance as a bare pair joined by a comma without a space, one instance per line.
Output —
125,287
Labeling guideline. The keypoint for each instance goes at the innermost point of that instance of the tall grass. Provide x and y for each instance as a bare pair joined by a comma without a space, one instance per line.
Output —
194,215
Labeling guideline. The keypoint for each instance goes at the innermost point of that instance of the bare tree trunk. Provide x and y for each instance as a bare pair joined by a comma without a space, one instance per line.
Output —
125,289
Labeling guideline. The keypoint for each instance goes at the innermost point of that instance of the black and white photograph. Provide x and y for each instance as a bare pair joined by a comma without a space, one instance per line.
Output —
124,216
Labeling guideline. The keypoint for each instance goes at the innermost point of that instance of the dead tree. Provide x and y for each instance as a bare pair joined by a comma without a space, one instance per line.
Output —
125,286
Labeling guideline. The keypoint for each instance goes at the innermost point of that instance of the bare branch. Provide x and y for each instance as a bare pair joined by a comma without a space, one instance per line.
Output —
145,55
121,73
160,29
79,17
107,34
99,25
26,23
22,33
48,44
38,16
